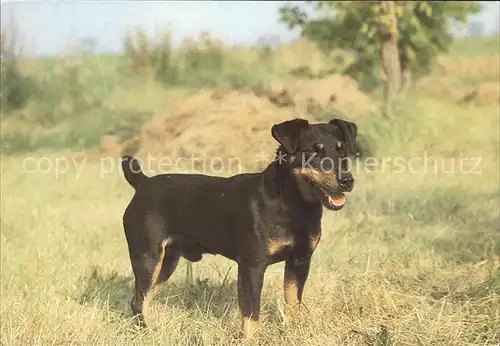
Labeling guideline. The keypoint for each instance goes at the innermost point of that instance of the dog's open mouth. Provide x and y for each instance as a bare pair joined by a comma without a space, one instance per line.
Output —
337,200
332,201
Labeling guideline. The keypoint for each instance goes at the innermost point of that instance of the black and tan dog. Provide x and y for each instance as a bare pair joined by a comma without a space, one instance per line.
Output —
253,219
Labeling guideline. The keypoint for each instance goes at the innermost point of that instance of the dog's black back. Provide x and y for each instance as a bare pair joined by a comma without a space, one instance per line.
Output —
235,216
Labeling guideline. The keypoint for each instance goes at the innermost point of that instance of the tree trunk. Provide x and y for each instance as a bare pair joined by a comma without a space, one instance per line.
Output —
390,53
407,79
406,76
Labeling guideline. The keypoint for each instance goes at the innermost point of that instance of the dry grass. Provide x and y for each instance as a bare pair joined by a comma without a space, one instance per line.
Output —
469,67
464,79
412,260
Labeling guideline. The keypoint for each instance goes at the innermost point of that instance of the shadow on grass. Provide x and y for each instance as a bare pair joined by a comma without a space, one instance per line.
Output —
106,289
115,291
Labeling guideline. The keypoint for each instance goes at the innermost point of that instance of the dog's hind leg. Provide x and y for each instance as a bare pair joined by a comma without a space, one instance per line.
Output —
147,268
170,261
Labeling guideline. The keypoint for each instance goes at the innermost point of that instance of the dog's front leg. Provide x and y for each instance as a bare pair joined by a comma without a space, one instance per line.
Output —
296,272
250,280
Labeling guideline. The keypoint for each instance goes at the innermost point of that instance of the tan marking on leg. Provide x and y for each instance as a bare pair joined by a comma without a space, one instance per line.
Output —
314,240
291,300
275,246
157,270
290,292
249,326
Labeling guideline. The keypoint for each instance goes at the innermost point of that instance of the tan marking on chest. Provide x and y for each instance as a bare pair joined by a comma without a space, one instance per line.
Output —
276,245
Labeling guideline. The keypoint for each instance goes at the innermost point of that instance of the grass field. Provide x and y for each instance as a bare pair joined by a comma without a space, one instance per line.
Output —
417,253
413,258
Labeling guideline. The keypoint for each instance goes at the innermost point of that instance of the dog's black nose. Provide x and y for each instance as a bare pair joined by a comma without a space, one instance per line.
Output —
346,181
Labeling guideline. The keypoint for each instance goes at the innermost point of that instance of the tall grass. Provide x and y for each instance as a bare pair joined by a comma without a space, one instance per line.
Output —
204,62
150,58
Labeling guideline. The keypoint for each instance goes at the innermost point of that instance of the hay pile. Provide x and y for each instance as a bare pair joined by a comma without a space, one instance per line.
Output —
227,124
336,91
443,88
438,87
212,124
468,67
453,76
484,94
110,146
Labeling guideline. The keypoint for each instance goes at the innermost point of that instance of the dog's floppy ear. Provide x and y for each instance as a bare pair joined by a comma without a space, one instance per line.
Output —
288,133
349,131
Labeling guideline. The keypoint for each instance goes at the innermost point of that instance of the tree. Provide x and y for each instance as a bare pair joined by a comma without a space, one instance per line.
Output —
16,86
370,29
389,53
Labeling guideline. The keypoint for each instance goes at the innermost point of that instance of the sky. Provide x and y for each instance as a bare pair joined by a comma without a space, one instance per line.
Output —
50,27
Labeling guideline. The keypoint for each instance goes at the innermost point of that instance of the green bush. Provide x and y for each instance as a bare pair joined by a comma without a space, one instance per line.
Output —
148,57
16,87
68,88
198,63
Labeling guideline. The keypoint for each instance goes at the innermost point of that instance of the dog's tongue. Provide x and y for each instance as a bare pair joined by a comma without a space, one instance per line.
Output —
337,200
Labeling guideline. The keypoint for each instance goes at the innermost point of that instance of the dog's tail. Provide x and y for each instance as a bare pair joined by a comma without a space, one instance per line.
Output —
132,171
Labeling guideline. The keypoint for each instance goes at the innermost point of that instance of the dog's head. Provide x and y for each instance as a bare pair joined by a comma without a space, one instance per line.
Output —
317,154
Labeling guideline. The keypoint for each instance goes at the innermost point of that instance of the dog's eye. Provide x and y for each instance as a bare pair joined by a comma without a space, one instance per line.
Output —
319,148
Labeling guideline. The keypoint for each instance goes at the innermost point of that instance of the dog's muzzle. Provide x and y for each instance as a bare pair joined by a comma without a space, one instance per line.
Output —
335,199
346,181
329,187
